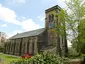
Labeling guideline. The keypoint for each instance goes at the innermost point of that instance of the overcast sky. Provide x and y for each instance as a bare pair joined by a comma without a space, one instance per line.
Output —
18,16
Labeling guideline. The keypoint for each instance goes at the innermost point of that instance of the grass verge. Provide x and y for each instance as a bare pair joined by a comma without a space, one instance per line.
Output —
8,58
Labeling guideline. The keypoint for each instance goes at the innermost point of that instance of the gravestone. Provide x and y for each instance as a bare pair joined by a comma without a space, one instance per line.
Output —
2,60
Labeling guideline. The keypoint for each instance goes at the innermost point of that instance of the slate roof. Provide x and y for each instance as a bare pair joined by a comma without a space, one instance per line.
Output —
29,33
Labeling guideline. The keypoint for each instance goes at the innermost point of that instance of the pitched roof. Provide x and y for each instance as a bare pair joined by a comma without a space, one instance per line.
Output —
29,33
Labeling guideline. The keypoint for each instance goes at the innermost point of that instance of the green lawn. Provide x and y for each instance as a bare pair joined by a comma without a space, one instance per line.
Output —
8,58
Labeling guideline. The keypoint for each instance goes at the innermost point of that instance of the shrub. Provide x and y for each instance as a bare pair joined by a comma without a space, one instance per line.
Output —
73,53
1,49
41,59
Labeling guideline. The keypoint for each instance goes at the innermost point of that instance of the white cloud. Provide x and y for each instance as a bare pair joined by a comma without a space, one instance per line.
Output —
17,31
18,1
9,16
49,1
12,2
22,1
23,18
13,33
41,17
4,25
29,24
65,0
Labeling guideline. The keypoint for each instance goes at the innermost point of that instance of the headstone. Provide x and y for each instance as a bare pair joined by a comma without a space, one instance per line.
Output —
2,60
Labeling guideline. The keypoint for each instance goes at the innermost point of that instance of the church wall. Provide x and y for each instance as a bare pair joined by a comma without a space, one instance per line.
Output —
29,44
21,46
35,45
33,48
11,47
24,46
42,41
17,46
8,48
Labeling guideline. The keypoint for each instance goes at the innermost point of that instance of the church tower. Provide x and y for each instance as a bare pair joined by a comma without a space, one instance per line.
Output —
51,22
53,38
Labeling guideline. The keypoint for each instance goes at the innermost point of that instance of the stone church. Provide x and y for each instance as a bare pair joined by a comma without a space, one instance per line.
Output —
40,40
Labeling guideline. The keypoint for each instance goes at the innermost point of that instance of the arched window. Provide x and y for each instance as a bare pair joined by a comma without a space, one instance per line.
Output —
51,21
51,17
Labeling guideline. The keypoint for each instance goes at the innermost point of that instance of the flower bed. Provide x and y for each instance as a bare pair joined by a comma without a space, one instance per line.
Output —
41,59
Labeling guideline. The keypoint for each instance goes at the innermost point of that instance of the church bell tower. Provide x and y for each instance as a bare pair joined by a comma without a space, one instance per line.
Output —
54,39
51,21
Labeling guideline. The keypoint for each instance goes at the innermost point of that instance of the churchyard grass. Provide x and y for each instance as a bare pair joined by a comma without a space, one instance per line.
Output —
6,59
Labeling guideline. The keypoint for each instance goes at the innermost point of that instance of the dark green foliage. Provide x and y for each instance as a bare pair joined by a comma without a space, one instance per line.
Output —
42,59
73,53
1,49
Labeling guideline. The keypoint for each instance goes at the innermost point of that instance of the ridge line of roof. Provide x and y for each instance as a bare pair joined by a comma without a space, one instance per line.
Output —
31,30
28,33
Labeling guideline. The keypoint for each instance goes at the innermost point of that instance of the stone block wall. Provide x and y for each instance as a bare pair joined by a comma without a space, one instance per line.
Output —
21,46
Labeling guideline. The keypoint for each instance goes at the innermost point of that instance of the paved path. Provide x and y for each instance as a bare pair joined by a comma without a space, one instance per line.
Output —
74,60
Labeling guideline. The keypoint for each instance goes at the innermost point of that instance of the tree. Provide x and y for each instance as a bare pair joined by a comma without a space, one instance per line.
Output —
60,29
76,16
3,39
72,24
